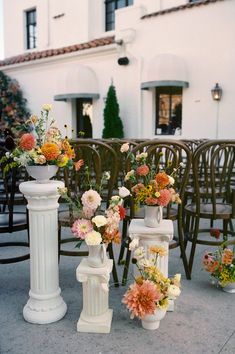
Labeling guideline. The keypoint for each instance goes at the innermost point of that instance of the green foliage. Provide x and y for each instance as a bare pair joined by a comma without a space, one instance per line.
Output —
13,108
113,127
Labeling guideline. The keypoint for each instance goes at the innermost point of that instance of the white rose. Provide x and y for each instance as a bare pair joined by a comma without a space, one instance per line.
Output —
139,253
116,200
144,262
99,220
173,291
123,192
93,238
124,147
129,175
133,244
171,180
106,175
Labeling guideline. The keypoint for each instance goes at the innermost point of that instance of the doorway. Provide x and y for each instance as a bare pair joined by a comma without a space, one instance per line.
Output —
84,117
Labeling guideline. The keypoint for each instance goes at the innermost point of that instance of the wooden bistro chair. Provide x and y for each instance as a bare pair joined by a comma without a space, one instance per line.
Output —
98,157
212,197
11,220
168,154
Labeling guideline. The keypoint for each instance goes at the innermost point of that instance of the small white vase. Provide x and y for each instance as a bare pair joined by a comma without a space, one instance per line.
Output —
97,257
153,215
229,288
152,322
42,174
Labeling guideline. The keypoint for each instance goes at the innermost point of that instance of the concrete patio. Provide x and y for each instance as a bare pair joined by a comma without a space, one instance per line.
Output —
203,320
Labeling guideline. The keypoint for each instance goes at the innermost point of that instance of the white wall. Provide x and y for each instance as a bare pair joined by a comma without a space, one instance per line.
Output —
202,36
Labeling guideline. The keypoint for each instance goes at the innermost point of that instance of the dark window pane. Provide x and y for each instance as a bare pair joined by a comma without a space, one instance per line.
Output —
168,110
31,29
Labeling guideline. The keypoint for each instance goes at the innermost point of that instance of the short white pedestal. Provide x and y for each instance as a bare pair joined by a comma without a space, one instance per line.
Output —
45,304
96,317
149,236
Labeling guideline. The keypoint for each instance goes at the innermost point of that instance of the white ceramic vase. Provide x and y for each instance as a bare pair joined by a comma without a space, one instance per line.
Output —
42,174
229,288
97,257
153,215
152,322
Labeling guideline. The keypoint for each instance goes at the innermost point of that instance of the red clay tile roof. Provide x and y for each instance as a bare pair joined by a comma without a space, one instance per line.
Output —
52,52
181,7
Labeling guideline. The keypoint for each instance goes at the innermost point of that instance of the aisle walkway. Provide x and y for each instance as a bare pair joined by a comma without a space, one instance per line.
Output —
203,320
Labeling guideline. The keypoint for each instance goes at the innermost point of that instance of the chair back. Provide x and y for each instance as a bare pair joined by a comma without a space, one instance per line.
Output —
213,171
98,158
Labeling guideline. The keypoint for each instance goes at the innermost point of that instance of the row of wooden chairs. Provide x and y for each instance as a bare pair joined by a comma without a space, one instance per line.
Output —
205,184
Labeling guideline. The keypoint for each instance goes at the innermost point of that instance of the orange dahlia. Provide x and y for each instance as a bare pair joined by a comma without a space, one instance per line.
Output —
51,151
141,298
162,180
27,142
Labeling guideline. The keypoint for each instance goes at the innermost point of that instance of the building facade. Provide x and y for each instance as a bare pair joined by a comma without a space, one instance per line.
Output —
163,56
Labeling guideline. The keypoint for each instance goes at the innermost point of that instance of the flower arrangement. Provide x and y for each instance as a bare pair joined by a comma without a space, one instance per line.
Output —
92,225
152,185
42,144
151,290
220,264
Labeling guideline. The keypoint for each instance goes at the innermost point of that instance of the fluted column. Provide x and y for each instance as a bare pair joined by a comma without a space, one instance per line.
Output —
96,316
45,304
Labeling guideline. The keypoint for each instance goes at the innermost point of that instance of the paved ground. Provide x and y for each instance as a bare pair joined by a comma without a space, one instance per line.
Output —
203,320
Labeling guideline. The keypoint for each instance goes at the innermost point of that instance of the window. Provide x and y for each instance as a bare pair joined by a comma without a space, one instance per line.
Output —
110,7
168,110
31,27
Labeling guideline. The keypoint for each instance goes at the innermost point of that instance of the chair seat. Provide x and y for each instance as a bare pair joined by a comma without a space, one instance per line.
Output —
223,211
19,219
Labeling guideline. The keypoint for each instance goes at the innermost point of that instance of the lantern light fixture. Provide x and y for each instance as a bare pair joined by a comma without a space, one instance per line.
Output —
216,92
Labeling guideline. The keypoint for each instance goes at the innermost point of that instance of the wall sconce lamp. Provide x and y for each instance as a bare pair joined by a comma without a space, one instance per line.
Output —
216,92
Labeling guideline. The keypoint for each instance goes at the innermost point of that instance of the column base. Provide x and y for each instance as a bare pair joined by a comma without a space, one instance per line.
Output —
96,324
44,311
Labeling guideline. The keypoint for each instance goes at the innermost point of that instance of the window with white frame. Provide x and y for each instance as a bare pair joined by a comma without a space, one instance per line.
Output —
168,110
110,7
31,29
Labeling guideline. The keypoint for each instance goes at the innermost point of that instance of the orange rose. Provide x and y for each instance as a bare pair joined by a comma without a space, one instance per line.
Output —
162,180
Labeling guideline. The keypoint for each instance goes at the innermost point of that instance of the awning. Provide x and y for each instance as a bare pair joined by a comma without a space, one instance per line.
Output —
165,70
78,81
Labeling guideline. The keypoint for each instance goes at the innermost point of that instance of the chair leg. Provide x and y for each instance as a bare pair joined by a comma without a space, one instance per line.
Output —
124,234
182,249
194,243
126,267
114,271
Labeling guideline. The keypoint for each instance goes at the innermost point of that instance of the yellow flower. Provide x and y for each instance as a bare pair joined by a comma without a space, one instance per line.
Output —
157,194
62,160
161,251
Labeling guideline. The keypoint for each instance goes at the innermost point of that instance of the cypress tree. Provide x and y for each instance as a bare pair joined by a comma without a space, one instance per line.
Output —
13,109
113,127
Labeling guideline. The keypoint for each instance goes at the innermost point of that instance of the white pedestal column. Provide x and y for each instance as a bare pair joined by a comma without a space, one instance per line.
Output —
96,317
45,304
148,236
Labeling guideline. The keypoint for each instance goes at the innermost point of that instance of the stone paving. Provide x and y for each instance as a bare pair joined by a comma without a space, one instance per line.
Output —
203,320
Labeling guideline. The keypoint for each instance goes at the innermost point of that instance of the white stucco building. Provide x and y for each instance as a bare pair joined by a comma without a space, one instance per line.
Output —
163,56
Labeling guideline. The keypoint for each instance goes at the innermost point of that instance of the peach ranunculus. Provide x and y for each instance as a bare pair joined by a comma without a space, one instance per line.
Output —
165,197
227,256
78,164
162,180
27,142
51,151
142,170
